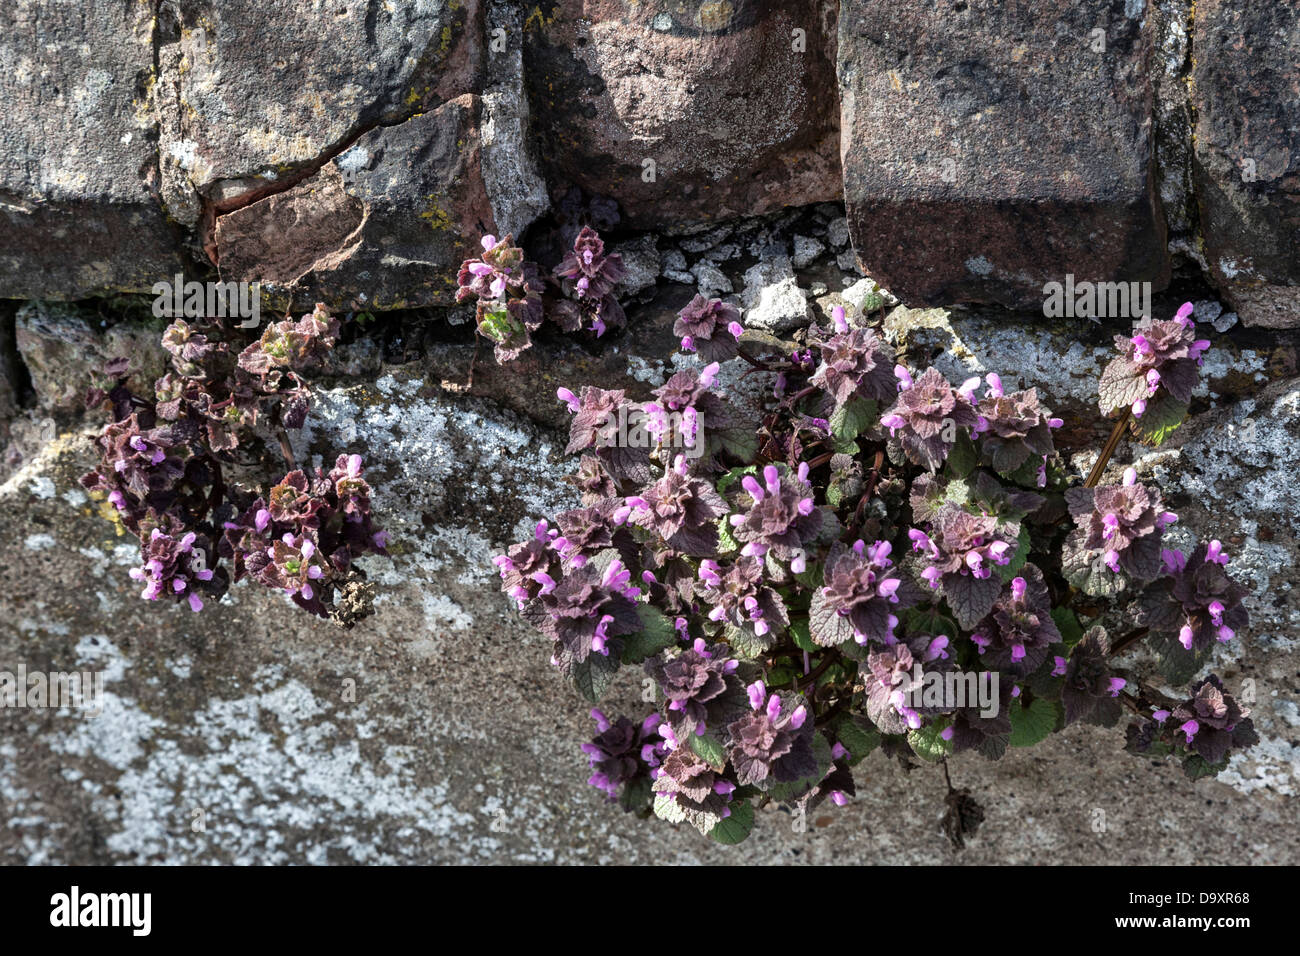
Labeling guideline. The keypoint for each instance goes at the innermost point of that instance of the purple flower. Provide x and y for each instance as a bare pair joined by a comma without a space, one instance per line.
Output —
1198,602
1018,633
622,752
689,789
1159,357
855,362
889,677
508,292
859,599
1090,691
697,683
681,510
1119,527
780,516
710,328
1012,428
738,596
926,416
588,276
774,739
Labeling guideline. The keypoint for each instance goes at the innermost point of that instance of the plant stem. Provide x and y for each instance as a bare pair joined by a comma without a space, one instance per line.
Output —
1129,638
1112,443
286,449
811,678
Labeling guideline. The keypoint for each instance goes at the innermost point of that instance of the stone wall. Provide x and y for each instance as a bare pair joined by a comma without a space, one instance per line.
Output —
460,743
353,152
955,152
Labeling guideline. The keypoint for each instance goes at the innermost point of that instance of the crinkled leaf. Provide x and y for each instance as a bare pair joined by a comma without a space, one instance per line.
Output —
853,418
710,750
657,632
1034,723
1163,415
826,626
733,828
928,744
971,598
593,676
792,791
1121,385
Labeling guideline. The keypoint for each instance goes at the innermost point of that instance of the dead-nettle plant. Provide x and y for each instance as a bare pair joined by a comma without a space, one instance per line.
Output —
507,290
168,458
876,559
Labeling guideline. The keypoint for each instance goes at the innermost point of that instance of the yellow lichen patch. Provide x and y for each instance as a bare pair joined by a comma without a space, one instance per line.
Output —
537,18
435,215
716,15
103,509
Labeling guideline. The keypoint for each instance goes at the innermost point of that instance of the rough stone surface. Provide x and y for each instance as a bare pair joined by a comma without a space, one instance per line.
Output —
510,171
384,225
772,298
79,206
461,742
734,116
641,262
983,161
62,348
244,104
1247,101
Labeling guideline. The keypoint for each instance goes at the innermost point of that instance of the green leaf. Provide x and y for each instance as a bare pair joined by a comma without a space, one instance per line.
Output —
709,750
745,643
1034,723
1177,664
1067,622
1163,415
853,418
594,675
845,446
928,744
962,457
812,576
499,326
857,740
929,620
733,476
1196,767
1018,559
635,795
734,828
802,639
726,542
739,442
656,634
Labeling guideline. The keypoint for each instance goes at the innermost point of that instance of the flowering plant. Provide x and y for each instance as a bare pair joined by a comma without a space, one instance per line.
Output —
164,465
888,562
